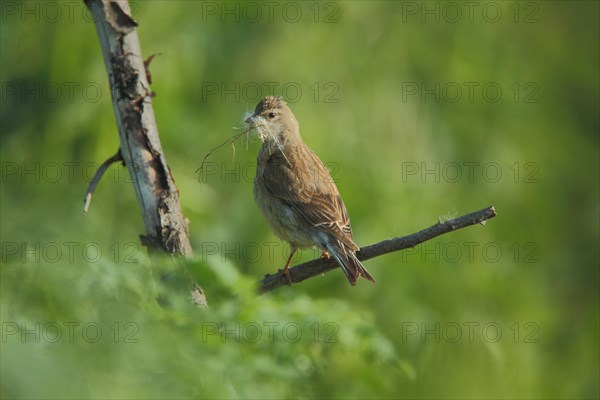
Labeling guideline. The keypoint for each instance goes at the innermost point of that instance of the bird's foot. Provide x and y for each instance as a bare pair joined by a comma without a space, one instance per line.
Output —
286,272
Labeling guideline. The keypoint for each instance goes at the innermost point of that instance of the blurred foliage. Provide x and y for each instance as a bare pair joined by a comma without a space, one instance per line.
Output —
522,290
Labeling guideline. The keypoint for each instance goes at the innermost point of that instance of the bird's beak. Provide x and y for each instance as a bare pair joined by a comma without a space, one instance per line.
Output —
250,120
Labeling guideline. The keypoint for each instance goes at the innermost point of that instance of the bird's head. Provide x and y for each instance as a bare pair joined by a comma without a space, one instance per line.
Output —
274,121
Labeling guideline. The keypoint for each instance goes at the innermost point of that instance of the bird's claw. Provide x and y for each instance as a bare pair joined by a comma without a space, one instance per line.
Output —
286,272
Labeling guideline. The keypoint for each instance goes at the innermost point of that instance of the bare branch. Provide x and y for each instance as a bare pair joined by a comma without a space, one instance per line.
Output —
96,179
157,195
322,265
166,228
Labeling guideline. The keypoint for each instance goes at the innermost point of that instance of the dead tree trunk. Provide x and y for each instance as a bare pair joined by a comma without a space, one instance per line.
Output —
140,148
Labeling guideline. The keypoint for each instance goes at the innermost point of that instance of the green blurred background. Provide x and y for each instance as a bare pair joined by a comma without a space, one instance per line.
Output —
422,110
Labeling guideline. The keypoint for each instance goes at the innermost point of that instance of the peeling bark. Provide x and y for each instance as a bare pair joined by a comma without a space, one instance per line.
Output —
166,227
141,151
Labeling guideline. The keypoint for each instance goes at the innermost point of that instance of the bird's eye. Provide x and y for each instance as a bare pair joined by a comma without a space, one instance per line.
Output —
271,115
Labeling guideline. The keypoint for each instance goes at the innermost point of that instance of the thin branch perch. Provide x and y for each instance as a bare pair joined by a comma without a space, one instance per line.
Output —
319,266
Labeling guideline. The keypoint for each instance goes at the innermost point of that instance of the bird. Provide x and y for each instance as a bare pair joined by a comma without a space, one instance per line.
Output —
296,193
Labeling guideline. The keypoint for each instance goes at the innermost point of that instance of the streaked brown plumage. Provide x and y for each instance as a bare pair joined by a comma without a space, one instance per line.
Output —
296,193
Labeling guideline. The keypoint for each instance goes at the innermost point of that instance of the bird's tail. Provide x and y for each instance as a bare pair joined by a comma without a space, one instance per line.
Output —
351,265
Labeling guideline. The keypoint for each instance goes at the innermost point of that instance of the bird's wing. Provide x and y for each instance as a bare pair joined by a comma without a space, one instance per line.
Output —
309,190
